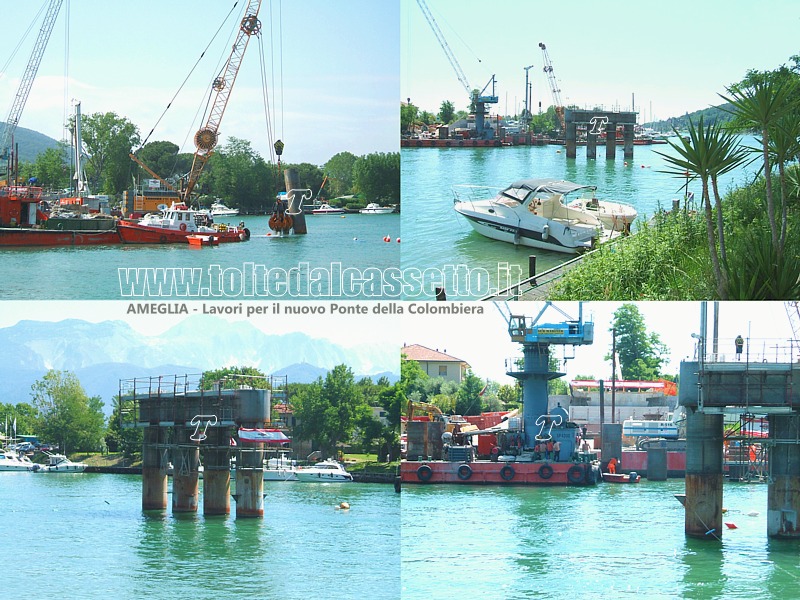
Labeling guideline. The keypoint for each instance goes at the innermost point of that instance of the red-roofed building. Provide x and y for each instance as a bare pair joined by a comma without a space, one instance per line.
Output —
437,364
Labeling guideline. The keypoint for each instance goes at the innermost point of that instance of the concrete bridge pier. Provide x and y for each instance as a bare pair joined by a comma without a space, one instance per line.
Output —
611,140
783,492
217,473
703,515
154,473
250,485
571,139
185,476
591,144
627,140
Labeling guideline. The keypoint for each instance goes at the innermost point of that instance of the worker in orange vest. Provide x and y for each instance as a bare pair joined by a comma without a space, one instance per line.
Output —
612,466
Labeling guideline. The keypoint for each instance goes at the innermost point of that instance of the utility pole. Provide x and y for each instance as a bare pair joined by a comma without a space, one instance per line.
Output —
613,372
527,98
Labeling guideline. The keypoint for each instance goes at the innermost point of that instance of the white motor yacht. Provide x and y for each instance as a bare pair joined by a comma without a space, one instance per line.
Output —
327,470
616,216
327,209
58,463
373,208
10,460
218,209
533,212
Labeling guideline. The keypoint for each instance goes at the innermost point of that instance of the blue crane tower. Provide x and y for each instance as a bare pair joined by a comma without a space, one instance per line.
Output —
533,370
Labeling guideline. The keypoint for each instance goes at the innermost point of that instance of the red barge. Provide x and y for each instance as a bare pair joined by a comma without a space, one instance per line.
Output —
540,447
24,222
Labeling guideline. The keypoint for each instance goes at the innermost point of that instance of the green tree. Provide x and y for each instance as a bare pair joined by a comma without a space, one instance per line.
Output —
67,414
760,105
127,440
24,414
52,168
412,377
339,170
641,354
329,411
109,140
239,176
508,396
447,111
408,116
468,399
233,377
708,152
162,158
377,176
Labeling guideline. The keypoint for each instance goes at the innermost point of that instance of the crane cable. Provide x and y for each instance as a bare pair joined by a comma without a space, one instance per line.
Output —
202,54
65,117
265,99
4,69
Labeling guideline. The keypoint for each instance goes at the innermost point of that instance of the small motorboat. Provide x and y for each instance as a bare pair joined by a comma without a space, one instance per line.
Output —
616,216
327,209
218,209
198,239
58,463
373,208
325,471
632,477
533,212
10,460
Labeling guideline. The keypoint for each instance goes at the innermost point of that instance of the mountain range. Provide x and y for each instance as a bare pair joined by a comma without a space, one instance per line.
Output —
100,354
30,143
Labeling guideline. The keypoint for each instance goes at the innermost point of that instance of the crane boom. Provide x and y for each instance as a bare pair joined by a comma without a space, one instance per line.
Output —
207,136
30,72
554,89
443,43
166,183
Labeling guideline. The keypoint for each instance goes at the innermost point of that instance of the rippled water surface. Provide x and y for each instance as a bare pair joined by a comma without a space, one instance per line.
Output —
85,536
602,542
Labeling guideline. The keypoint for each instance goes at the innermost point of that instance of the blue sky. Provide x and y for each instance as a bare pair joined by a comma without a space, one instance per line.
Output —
480,340
338,90
674,56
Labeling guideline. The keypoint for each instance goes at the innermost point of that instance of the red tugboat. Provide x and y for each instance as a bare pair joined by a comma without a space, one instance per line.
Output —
175,224
540,448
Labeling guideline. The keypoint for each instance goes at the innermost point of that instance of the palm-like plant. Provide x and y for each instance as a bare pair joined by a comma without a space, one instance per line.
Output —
708,152
760,104
784,147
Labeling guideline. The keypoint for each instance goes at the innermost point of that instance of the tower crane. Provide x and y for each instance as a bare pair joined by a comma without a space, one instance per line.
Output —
26,83
478,99
207,136
534,370
554,89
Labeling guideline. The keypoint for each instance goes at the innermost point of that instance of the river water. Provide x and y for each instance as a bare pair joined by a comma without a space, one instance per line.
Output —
434,235
85,536
89,273
623,541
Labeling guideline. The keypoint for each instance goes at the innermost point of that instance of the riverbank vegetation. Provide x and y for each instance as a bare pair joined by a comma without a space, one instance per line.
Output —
235,174
744,246
333,413
471,396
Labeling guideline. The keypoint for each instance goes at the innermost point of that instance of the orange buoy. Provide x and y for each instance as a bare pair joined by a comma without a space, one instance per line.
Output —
731,525
398,240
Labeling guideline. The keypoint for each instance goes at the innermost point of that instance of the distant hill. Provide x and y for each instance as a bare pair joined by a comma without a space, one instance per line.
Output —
100,354
710,115
31,143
